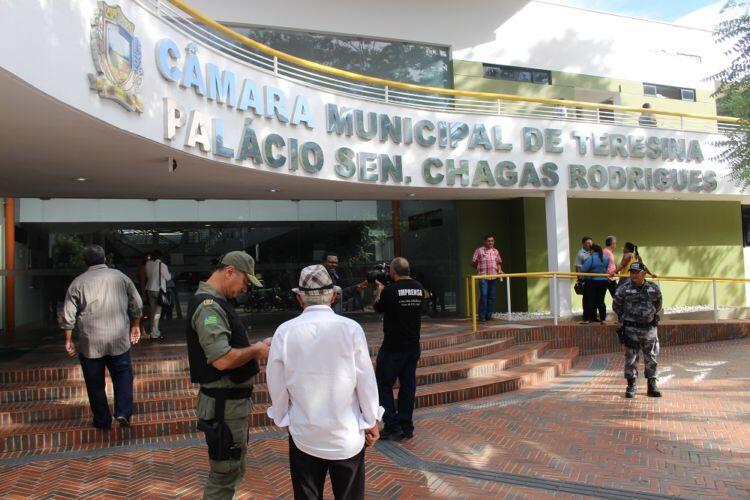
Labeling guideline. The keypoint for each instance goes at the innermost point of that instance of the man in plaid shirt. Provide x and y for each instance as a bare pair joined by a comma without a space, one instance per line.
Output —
487,260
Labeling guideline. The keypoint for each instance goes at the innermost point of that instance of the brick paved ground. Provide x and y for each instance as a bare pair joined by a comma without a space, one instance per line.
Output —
575,436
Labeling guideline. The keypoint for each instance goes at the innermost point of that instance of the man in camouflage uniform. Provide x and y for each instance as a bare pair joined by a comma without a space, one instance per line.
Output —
224,363
637,304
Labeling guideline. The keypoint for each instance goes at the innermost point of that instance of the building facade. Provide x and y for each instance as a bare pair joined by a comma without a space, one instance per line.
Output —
140,126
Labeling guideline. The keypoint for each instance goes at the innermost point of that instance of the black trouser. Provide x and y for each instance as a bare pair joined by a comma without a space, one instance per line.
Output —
612,287
309,475
402,366
121,372
595,290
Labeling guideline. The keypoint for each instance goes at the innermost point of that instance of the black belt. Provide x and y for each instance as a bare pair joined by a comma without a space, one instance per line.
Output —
221,396
635,324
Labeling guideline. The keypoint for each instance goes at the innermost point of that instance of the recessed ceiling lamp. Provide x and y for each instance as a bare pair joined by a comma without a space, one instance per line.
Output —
80,179
273,190
411,195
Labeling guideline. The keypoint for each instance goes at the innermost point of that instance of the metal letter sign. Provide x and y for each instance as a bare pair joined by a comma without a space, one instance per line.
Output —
117,58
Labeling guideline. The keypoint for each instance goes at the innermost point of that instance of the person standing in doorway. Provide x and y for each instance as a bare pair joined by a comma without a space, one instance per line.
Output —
646,119
584,253
105,306
487,261
157,275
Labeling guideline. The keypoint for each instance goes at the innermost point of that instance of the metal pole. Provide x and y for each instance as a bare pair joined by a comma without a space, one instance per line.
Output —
468,299
10,264
716,307
474,304
507,291
275,65
555,310
386,93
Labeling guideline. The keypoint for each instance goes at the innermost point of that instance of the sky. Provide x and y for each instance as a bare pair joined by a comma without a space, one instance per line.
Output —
659,10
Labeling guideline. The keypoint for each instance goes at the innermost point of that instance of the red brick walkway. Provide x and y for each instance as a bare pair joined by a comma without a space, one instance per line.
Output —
575,436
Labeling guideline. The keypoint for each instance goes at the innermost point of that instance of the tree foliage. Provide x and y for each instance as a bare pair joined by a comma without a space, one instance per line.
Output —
733,91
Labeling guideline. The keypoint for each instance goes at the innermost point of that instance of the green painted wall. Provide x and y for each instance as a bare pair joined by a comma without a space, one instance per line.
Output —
674,238
535,228
467,75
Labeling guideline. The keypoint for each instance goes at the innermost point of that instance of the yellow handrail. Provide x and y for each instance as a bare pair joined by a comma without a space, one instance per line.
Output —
305,63
560,274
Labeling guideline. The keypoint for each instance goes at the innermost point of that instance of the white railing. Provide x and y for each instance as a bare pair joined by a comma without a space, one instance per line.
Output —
561,110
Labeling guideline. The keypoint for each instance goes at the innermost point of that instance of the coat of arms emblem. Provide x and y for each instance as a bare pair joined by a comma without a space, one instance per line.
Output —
117,57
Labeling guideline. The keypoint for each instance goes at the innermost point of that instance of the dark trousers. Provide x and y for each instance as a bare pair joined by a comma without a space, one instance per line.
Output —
487,290
121,372
402,366
612,287
594,291
309,475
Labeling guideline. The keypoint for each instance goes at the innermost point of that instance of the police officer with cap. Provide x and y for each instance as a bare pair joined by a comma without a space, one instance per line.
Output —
637,304
224,363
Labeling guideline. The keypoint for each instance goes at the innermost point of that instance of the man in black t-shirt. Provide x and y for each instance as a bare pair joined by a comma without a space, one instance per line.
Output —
400,302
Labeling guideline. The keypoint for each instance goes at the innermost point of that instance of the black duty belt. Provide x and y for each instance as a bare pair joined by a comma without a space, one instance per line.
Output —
221,396
636,324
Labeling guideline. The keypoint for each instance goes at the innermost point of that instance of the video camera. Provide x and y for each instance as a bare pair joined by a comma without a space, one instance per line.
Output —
380,272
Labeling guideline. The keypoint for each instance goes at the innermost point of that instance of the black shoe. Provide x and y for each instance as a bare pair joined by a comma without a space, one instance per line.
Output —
160,338
391,435
652,391
630,391
123,421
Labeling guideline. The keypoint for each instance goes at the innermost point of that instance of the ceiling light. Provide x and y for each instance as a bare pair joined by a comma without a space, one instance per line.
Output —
80,179
412,194
273,190
207,225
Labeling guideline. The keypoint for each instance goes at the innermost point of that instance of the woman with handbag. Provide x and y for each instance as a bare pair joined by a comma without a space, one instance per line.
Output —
596,286
157,275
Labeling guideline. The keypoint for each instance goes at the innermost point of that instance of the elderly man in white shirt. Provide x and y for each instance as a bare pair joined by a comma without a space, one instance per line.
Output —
322,386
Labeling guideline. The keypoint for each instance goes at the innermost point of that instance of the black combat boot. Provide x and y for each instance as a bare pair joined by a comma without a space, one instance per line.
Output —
630,391
653,392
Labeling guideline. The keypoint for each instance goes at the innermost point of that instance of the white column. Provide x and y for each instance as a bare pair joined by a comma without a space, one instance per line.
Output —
746,255
558,246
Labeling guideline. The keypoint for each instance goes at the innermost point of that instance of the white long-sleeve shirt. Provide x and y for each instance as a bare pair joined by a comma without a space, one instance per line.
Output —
322,383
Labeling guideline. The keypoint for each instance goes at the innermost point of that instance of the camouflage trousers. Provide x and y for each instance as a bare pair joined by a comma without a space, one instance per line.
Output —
649,346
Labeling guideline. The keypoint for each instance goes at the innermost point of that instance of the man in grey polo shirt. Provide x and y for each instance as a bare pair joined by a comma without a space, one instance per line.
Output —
106,307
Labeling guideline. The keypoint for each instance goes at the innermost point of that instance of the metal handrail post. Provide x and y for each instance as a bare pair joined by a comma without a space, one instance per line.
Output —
474,304
716,307
275,65
468,299
507,291
555,310
386,95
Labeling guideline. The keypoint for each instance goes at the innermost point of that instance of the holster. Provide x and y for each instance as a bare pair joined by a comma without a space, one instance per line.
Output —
621,334
219,438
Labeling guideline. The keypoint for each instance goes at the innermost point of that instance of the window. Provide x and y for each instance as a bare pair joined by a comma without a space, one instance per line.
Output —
512,73
668,92
746,225
408,62
688,94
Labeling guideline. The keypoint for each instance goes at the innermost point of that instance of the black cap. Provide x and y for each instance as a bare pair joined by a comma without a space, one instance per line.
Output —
637,267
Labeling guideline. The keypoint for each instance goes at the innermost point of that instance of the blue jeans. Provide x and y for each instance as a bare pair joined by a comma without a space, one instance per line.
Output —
121,371
402,366
487,289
